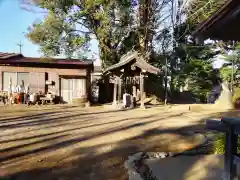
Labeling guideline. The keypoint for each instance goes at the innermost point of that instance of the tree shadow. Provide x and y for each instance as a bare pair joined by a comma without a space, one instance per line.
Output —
23,108
104,160
70,141
42,118
61,121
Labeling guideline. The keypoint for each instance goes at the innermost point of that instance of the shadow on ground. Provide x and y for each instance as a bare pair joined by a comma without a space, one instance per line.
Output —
97,162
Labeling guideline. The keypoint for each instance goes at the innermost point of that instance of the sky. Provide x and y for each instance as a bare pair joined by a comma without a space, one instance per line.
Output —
14,25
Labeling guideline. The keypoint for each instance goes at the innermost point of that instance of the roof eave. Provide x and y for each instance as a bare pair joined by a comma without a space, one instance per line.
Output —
9,62
203,30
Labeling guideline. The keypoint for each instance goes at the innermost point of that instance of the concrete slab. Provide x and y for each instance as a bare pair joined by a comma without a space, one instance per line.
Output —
199,167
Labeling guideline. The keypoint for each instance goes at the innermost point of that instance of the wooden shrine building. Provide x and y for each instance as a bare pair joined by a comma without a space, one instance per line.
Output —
222,25
128,76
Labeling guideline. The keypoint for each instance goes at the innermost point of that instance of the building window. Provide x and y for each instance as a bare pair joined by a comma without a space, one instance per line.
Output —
16,78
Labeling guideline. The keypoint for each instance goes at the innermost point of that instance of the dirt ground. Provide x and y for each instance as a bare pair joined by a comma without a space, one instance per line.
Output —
73,143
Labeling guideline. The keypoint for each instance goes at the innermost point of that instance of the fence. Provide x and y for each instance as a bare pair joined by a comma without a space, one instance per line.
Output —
231,128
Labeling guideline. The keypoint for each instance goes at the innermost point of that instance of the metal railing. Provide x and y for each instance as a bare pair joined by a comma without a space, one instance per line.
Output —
231,128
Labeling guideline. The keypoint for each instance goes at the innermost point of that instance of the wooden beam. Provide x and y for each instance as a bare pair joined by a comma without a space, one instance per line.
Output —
134,88
119,90
115,92
230,120
215,125
230,152
142,90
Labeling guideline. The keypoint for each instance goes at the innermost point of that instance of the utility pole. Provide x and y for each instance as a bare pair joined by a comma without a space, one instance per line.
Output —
232,76
166,81
20,47
232,73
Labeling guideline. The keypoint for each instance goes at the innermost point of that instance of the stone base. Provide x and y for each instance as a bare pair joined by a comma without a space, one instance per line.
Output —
87,104
224,101
142,106
207,167
114,104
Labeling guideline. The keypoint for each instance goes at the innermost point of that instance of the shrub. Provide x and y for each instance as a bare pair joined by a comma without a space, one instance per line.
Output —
236,98
219,146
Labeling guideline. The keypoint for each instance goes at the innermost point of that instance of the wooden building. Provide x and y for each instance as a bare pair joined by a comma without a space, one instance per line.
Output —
67,78
130,72
222,25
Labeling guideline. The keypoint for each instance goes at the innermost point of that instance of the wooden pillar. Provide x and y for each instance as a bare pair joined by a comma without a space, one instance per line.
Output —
84,84
230,152
88,86
142,90
134,90
119,90
134,96
115,92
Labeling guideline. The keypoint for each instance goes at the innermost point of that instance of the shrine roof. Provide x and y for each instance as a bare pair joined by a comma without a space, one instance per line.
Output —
137,60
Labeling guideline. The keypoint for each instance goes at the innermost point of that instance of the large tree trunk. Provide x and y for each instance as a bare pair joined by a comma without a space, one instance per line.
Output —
108,55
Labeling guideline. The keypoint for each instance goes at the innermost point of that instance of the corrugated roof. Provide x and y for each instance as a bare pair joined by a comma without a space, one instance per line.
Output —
8,55
55,61
10,58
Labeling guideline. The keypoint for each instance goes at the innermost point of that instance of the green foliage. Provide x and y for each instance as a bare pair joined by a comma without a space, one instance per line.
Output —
236,98
69,25
233,66
198,76
195,69
55,36
219,146
200,10
226,73
236,94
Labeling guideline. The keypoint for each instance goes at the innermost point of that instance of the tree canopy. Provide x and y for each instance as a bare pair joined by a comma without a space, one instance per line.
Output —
70,24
